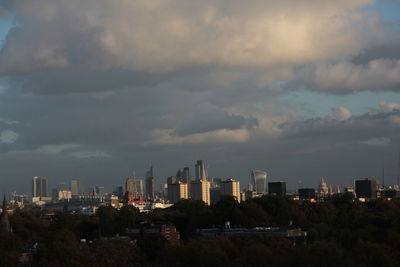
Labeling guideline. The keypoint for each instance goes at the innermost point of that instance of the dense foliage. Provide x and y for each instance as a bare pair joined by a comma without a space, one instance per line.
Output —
341,232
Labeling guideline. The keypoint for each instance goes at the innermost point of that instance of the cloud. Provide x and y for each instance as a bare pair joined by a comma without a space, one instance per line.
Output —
388,107
346,77
340,114
342,129
170,35
8,137
166,137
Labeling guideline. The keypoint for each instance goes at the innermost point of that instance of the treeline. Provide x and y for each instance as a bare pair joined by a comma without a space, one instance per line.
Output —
341,232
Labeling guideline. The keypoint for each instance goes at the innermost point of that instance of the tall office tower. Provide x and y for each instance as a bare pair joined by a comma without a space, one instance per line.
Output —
200,190
179,175
259,181
150,188
231,187
366,188
39,187
74,187
150,173
186,175
277,188
201,172
177,191
134,187
149,194
323,187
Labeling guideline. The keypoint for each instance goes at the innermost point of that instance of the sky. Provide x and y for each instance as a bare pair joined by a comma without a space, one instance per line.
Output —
96,90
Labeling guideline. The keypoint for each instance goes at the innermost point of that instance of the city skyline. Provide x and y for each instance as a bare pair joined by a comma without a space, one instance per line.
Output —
296,88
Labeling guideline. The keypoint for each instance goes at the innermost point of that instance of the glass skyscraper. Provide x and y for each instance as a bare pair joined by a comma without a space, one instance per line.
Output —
259,181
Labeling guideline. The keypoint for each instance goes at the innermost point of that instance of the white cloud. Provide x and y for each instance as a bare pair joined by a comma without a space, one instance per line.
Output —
388,107
8,137
166,137
340,114
57,148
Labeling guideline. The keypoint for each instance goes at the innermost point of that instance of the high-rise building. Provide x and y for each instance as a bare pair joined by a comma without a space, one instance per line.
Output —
230,187
186,175
172,180
366,188
306,193
179,175
177,191
149,194
134,187
277,188
39,187
201,172
259,181
200,190
74,187
216,182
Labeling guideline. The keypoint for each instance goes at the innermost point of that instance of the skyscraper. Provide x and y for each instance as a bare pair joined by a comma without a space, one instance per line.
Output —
149,184
201,172
74,186
39,187
200,190
230,187
186,175
259,181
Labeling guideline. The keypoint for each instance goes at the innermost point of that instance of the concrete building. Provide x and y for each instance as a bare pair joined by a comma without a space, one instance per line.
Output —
177,191
230,187
277,188
200,190
366,188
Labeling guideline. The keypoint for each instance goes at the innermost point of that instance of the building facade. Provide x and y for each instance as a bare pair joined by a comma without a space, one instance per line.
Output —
200,190
230,187
177,191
